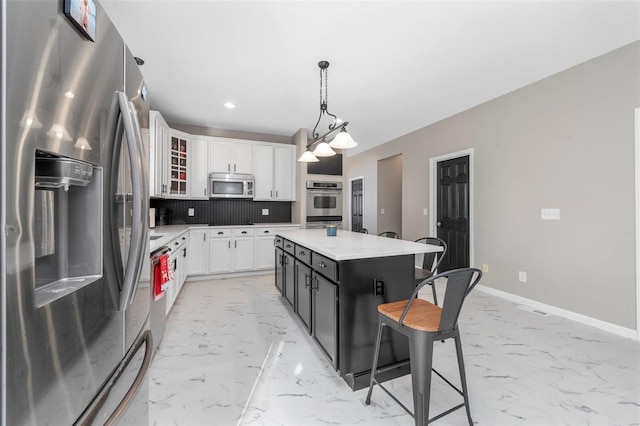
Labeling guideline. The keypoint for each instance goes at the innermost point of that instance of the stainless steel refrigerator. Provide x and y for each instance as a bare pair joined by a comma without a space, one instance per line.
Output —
74,214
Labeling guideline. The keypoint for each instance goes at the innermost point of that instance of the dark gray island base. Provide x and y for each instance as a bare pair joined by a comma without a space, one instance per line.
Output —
336,301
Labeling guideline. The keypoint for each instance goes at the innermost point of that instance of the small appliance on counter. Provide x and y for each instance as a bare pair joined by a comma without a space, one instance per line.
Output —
164,216
152,218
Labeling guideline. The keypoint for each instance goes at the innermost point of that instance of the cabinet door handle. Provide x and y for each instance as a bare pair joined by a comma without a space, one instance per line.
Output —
229,244
271,193
204,236
205,192
235,244
228,167
276,193
234,167
306,280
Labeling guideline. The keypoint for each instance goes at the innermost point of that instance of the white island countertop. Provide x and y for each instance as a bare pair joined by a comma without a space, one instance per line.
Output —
348,245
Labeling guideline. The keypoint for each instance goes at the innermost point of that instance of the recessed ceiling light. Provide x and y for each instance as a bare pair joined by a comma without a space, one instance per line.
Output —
229,105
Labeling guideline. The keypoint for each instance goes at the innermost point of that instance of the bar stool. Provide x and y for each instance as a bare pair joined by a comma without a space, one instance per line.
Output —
424,323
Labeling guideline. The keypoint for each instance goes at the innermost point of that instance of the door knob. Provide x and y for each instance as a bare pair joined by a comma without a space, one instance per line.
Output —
438,223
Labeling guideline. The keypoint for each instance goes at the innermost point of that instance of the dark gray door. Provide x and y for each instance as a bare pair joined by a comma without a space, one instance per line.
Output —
324,321
289,279
453,211
303,293
356,205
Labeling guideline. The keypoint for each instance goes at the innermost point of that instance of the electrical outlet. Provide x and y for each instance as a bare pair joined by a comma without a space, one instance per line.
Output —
425,211
522,276
265,212
485,267
191,211
550,214
381,211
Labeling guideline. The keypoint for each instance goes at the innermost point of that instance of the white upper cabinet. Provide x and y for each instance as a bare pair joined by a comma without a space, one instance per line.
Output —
227,156
263,172
199,167
159,155
178,160
284,180
274,169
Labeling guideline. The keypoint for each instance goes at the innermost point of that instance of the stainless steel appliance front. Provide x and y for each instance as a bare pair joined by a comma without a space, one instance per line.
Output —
231,185
74,312
324,201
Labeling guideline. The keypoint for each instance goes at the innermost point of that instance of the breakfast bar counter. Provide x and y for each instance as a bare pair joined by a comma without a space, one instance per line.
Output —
334,285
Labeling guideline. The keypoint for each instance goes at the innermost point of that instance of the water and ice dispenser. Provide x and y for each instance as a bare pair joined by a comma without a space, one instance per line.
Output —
67,225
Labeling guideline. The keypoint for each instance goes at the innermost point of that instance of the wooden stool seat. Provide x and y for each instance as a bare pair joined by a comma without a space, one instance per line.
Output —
422,315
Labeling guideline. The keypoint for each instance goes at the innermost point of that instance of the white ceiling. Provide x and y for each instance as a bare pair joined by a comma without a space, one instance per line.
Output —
396,66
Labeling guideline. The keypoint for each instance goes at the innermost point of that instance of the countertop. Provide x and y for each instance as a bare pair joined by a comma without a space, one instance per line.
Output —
162,235
348,245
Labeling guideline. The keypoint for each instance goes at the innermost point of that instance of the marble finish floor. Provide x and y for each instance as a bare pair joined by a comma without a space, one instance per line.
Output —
233,354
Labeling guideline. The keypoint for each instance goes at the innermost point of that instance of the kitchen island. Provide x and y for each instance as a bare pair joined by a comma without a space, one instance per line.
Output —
334,285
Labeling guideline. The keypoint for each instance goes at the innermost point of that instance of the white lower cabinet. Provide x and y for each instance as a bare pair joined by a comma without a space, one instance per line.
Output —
198,263
178,260
264,247
231,250
219,251
243,250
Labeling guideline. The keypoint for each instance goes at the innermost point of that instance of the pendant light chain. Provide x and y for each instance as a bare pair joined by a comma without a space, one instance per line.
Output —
324,101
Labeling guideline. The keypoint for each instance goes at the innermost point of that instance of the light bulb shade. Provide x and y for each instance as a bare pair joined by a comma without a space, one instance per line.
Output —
323,150
308,157
343,140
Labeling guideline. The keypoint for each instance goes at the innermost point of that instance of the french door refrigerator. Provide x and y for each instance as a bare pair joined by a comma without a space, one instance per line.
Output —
73,176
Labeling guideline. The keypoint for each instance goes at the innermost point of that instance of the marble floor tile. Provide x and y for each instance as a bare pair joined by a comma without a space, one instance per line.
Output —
234,354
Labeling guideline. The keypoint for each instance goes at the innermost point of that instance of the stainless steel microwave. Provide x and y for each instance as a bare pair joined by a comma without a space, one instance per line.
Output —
231,185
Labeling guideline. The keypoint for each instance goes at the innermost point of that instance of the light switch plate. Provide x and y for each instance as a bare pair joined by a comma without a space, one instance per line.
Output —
265,212
191,211
381,211
550,214
425,211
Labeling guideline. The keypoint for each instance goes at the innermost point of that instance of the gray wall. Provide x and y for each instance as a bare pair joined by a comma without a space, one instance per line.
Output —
390,195
564,142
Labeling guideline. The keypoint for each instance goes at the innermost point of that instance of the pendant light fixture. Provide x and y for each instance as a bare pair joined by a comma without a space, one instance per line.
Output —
342,140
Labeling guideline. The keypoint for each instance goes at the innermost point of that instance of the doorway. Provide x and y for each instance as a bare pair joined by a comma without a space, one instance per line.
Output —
451,206
356,205
389,215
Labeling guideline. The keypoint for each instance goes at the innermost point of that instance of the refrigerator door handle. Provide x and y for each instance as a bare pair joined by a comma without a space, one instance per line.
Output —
146,362
140,188
88,417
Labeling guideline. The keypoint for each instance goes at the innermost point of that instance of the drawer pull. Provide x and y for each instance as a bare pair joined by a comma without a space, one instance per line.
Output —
288,245
220,233
322,265
244,232
266,232
302,253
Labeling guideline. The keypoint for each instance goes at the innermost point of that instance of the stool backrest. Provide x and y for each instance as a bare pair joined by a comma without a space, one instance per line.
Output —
431,261
460,282
389,234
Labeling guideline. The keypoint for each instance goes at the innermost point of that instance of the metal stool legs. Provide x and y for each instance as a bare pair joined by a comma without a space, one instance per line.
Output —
463,377
421,353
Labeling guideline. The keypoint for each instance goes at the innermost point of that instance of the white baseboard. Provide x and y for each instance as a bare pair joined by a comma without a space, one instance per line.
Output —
583,319
191,278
